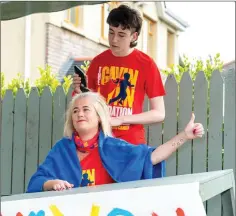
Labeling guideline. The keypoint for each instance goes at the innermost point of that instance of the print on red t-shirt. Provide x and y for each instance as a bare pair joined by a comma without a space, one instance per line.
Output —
124,81
93,172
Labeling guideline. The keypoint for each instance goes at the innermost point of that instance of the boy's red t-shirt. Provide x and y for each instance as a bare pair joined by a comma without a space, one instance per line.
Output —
93,172
123,82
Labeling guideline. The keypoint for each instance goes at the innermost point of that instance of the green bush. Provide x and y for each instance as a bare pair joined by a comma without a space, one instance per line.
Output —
47,78
85,66
3,88
194,66
19,82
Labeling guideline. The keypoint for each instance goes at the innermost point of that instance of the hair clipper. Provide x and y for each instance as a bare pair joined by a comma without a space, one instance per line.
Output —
82,75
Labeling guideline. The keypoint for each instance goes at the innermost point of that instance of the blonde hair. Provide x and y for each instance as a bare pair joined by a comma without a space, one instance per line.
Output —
100,107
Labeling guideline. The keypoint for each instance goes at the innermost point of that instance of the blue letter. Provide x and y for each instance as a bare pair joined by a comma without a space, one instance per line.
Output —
119,212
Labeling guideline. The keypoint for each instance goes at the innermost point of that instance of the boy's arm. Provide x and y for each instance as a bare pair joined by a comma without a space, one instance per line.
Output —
155,114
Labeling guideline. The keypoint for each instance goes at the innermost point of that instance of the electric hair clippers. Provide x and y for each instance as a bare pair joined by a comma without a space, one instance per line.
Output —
82,75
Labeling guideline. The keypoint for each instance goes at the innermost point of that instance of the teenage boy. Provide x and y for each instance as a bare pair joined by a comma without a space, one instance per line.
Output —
123,75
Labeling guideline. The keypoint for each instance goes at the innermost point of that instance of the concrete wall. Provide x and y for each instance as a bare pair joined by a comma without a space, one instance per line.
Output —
63,44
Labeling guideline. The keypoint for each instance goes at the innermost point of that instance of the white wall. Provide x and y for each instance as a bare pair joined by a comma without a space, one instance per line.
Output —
13,46
92,22
38,44
149,9
161,45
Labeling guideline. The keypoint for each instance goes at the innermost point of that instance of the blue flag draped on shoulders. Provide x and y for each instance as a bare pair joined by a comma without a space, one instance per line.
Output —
123,161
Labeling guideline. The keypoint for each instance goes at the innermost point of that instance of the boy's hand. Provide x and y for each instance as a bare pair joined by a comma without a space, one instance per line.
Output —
115,121
76,83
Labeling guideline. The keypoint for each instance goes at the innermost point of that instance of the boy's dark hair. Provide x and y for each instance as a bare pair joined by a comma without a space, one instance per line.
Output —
128,18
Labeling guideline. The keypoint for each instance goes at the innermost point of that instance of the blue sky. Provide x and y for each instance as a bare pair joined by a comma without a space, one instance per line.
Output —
212,28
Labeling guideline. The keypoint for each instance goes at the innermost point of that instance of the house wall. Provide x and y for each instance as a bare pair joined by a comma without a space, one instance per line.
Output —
53,41
12,47
13,34
65,41
38,44
63,44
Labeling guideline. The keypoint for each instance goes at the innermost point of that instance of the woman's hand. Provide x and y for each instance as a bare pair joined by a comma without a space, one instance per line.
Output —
193,130
57,185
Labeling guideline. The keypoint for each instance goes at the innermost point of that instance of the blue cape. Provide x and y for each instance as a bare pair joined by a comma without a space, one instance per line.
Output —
123,161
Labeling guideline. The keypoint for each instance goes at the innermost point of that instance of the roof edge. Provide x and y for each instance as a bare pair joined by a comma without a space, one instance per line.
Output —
169,17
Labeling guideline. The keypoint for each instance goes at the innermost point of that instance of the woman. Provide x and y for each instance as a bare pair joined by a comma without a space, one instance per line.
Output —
89,155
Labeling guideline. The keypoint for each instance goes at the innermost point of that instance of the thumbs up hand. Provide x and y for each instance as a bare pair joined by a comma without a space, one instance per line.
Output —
193,130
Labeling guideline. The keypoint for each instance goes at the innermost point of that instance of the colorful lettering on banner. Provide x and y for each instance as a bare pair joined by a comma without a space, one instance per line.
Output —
55,211
40,213
95,212
180,212
120,212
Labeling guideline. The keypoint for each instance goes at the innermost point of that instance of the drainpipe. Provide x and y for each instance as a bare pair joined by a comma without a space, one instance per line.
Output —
27,46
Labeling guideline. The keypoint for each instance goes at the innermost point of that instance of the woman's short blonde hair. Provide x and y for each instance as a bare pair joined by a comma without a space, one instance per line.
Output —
100,107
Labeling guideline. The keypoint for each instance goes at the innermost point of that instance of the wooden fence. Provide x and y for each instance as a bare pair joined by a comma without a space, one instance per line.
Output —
30,126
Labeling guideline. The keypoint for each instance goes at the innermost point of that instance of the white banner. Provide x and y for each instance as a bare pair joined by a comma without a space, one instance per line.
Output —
171,200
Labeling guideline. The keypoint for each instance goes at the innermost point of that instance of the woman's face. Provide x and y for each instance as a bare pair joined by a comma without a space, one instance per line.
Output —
84,116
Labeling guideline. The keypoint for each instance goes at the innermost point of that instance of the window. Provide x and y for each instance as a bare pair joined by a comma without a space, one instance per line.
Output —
170,48
148,36
74,16
106,8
